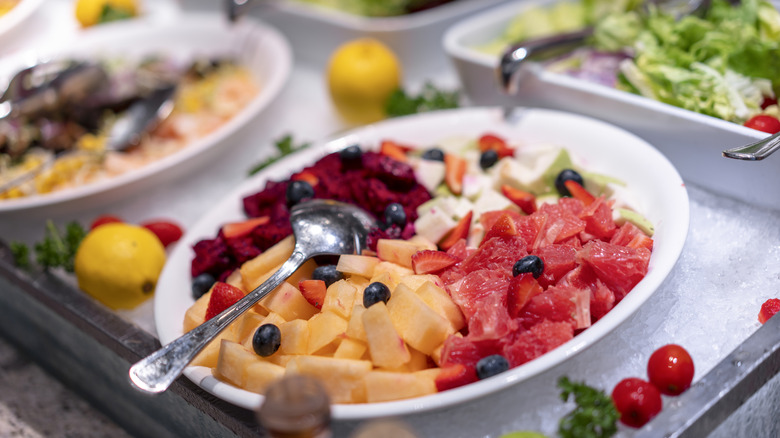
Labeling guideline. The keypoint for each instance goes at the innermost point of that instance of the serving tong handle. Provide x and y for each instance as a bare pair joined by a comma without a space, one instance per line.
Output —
755,151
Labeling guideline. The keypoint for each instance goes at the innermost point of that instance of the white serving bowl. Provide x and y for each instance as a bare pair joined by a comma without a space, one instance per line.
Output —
692,141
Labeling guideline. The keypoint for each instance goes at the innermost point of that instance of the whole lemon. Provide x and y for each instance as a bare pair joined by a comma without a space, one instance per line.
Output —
90,12
361,76
119,264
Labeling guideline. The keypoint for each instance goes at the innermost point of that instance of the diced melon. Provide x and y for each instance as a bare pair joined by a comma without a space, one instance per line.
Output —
303,273
209,356
287,301
251,322
440,301
386,346
429,173
268,261
341,377
350,349
386,278
196,314
414,282
434,225
280,359
234,360
420,326
235,279
491,200
357,264
423,243
397,251
417,362
261,374
295,337
355,328
339,298
325,328
385,386
394,271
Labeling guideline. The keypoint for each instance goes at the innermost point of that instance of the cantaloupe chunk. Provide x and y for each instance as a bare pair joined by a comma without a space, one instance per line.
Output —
350,349
357,265
397,251
295,337
418,324
440,301
325,329
355,328
390,274
209,356
387,348
261,374
266,263
341,377
250,322
287,301
415,281
339,298
196,314
385,386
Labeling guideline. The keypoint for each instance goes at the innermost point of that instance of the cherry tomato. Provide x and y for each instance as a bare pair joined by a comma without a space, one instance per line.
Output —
768,309
637,401
765,123
670,369
167,231
105,219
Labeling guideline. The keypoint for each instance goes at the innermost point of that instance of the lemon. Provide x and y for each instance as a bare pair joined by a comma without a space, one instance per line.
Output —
361,76
89,12
119,264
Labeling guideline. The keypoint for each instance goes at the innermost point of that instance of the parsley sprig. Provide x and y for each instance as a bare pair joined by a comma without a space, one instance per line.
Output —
284,146
57,249
595,415
430,98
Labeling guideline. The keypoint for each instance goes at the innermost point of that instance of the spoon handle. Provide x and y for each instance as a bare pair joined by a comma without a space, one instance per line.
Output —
755,151
156,372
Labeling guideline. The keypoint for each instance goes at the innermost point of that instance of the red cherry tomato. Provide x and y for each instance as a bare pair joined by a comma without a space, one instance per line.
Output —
670,369
637,401
167,231
763,122
105,219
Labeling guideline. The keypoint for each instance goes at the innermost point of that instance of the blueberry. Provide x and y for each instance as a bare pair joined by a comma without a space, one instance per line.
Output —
488,159
327,273
351,154
267,340
201,284
395,215
298,191
566,175
374,293
531,263
433,154
489,366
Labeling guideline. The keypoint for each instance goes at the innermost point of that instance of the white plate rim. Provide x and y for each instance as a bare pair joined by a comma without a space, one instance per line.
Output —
277,48
673,227
20,13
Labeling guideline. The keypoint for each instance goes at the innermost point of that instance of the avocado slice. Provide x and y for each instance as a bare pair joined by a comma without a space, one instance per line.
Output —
637,219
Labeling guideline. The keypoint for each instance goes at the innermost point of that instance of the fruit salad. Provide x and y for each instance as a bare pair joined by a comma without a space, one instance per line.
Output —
490,253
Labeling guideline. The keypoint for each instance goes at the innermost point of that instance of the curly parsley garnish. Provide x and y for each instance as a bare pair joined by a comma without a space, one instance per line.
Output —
595,415
430,98
56,250
284,146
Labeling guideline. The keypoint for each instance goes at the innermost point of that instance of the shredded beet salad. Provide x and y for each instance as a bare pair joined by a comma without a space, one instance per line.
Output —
371,183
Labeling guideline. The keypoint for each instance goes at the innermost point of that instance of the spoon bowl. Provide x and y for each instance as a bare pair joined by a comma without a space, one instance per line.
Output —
320,227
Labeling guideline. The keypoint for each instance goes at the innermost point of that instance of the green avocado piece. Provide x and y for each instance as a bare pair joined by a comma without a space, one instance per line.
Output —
523,434
637,219
562,161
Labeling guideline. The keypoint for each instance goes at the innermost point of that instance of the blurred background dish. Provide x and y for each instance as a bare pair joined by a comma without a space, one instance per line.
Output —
14,12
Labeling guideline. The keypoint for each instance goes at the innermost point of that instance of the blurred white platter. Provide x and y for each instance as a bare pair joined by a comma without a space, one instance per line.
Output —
692,141
600,147
257,47
21,12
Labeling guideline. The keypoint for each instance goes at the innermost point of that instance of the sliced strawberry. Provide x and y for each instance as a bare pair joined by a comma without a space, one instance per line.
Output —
393,150
306,175
455,375
525,200
641,241
167,231
454,170
314,291
768,309
105,219
521,289
579,192
429,261
460,231
503,227
238,229
493,142
223,295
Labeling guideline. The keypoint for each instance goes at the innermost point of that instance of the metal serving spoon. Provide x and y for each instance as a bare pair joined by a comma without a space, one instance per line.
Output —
755,151
320,227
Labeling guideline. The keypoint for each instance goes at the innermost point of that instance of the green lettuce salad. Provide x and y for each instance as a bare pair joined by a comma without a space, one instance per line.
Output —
377,8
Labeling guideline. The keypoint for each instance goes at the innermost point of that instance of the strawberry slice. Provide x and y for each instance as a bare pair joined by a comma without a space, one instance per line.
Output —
238,229
521,289
455,375
429,261
579,192
768,309
504,226
393,150
493,142
306,175
460,231
314,291
454,170
525,200
223,295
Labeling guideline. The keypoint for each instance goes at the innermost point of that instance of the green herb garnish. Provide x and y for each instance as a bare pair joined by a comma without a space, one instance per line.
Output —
21,253
58,249
430,98
285,146
113,13
595,415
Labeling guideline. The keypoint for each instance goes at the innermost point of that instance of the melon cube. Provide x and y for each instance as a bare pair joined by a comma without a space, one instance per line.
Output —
247,324
260,374
295,337
303,273
357,264
385,386
325,329
350,349
440,301
423,243
196,314
235,279
415,281
341,377
340,298
289,303
280,359
234,359
397,251
385,345
266,263
209,356
418,324
355,328
418,361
